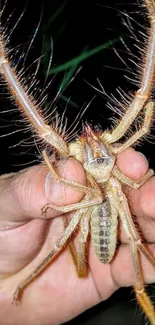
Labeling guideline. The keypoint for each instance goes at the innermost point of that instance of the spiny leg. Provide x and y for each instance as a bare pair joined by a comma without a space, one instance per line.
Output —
135,184
149,111
71,244
139,288
79,253
142,95
136,245
76,206
27,103
56,249
69,183
82,244
122,206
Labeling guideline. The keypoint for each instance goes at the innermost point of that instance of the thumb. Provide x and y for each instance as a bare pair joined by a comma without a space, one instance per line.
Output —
24,194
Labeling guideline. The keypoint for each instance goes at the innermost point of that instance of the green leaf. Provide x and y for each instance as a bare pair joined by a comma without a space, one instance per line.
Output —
83,56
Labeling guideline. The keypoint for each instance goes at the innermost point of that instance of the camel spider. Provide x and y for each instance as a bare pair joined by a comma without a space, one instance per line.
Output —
104,201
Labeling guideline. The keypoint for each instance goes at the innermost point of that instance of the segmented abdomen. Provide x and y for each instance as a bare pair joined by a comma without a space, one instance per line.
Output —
104,223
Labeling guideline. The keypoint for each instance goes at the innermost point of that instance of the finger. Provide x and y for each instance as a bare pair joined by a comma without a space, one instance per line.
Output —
145,228
122,267
132,163
120,272
22,196
141,201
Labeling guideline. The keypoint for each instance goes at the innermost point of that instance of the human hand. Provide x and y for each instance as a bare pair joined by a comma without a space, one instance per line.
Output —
58,295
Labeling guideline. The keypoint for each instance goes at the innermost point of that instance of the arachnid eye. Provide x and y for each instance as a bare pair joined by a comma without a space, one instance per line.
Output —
100,160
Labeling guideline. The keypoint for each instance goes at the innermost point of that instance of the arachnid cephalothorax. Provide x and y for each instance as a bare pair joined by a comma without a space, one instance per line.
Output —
104,201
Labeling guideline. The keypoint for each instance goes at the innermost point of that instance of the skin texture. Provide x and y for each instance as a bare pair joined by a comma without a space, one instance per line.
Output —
26,238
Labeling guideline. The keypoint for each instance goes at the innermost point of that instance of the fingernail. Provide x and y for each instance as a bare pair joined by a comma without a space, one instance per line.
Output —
54,191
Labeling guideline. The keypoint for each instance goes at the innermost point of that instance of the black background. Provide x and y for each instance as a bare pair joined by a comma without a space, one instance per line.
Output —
79,25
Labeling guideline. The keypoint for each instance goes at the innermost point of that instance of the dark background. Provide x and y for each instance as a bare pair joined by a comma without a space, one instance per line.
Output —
77,25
